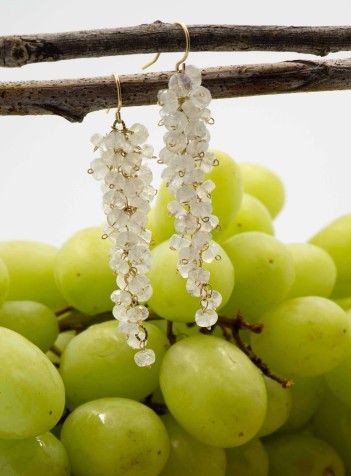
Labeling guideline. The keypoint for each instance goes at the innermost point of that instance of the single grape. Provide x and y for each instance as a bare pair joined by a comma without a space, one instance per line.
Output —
250,459
33,320
83,274
265,185
278,407
252,216
188,456
32,394
306,394
99,363
115,436
38,456
305,336
264,273
31,268
336,240
299,454
4,281
170,299
315,271
213,390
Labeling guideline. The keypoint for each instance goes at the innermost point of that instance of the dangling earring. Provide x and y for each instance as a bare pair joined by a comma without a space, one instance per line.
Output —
127,193
185,115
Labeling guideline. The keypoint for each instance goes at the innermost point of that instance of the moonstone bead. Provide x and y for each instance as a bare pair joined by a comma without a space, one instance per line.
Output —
137,313
168,100
194,75
121,297
201,97
206,318
139,134
145,358
186,224
128,327
180,83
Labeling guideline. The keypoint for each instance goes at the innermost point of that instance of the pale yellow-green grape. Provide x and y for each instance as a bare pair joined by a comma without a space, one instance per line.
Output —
252,216
99,363
336,240
32,394
115,436
299,454
226,198
83,274
306,393
332,423
265,185
170,299
264,273
151,226
306,336
189,457
250,459
31,268
4,281
33,320
315,271
39,456
278,407
63,339
213,390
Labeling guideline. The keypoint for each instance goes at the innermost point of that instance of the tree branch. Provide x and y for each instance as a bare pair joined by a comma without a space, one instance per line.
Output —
167,37
74,98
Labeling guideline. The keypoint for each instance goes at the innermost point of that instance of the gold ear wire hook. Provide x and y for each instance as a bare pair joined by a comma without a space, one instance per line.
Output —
119,98
187,49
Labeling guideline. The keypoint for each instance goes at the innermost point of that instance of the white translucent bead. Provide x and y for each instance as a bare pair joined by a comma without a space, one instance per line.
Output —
145,358
136,341
211,252
175,184
175,141
119,312
145,236
99,169
210,224
168,174
201,209
188,254
196,129
121,297
201,239
180,83
207,162
200,275
201,97
193,288
148,193
116,179
119,266
177,242
145,294
186,194
186,225
184,269
140,204
197,147
140,255
191,111
183,162
168,100
166,155
214,301
114,140
114,217
147,150
128,327
127,239
145,174
137,283
206,115
111,233
133,187
176,122
176,209
96,139
109,158
114,198
203,191
122,281
194,74
206,318
137,313
139,134
194,176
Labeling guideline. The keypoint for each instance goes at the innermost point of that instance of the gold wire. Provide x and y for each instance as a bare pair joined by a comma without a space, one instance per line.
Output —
119,97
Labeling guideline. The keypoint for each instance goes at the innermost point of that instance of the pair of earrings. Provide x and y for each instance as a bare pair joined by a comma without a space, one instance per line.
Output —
127,193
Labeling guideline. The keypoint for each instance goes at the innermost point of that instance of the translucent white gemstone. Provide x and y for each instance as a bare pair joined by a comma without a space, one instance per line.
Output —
184,269
214,301
119,266
212,251
114,217
139,134
206,318
194,176
145,358
186,225
137,341
110,158
203,191
209,224
145,174
176,122
175,184
194,74
201,239
191,111
206,115
114,140
175,141
99,169
200,275
193,288
116,179
148,193
166,155
140,257
180,83
176,209
197,147
130,163
177,242
114,198
127,240
121,297
111,233
207,162
96,139
196,129
186,194
128,327
187,254
133,187
147,150
168,173
145,235
201,97
137,313
122,281
119,312
137,283
201,209
168,100
139,203
145,294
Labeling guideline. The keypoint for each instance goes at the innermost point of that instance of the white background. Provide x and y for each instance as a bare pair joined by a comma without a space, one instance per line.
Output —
45,192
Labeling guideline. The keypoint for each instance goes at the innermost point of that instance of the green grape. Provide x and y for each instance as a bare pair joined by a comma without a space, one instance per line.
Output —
306,336
4,281
39,456
264,273
332,423
115,436
32,394
31,268
229,190
170,298
152,227
345,302
299,454
83,274
33,320
252,216
336,240
278,407
250,459
63,339
265,185
315,271
306,394
213,390
99,363
189,457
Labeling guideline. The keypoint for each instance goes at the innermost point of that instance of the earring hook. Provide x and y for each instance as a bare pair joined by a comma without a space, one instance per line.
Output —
119,99
187,49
